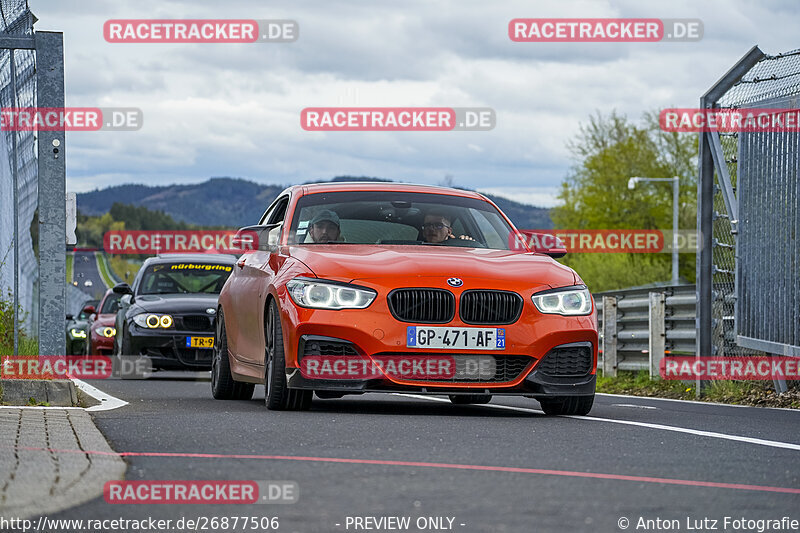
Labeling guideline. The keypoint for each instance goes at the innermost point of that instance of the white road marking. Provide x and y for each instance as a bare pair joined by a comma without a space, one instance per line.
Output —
633,405
107,402
676,429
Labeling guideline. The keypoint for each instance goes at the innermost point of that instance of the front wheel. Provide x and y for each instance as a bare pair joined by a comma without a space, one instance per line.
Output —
223,386
279,396
570,405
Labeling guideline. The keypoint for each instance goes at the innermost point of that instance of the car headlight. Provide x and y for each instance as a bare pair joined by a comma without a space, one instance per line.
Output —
105,331
319,294
77,333
153,321
570,301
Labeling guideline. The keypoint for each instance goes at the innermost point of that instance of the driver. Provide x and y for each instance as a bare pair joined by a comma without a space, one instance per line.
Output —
437,228
324,227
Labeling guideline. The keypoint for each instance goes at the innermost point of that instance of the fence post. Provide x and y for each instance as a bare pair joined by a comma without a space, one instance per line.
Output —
657,332
610,336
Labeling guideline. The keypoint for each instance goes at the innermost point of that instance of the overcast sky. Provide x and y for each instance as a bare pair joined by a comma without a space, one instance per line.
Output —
234,109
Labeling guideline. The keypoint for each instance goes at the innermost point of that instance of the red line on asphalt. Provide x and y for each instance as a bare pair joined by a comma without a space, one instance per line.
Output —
454,466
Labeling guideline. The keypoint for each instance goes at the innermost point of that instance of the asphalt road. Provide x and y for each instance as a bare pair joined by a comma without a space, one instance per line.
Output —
85,269
520,471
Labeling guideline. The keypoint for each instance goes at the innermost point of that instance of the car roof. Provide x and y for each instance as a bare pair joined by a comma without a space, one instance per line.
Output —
312,188
224,259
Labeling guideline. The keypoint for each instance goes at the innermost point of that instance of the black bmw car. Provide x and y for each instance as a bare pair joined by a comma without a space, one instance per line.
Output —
168,315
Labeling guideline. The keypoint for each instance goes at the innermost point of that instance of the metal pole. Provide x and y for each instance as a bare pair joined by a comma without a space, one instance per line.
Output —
52,194
15,179
675,206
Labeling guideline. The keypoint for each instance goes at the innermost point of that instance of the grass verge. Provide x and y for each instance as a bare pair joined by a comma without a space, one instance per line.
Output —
124,269
102,267
70,259
754,393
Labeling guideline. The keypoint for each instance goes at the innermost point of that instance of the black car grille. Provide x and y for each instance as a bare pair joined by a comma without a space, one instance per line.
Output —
507,367
328,347
426,306
490,307
573,360
196,323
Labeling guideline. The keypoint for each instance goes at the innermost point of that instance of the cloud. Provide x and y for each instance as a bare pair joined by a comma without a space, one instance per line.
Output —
233,110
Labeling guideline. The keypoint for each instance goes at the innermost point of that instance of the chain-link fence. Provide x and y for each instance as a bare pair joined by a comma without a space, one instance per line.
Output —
749,268
18,155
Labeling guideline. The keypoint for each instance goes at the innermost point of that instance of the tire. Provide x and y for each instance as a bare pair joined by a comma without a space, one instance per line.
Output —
278,395
571,405
466,399
223,386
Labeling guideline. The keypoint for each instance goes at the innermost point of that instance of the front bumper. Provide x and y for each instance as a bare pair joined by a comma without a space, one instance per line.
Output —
167,348
535,385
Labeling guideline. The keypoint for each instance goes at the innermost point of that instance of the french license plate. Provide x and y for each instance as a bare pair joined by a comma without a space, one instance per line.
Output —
199,342
440,338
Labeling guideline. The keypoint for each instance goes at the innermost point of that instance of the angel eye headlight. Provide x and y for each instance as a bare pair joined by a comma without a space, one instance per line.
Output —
320,294
78,333
105,331
569,301
152,320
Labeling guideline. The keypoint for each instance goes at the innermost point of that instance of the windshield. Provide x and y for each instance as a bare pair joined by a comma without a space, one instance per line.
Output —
182,278
110,304
398,218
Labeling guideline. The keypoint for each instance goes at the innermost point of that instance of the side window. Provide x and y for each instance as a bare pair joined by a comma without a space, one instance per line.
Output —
276,212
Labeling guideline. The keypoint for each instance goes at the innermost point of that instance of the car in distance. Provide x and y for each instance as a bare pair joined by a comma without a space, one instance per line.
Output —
77,328
168,314
383,287
101,330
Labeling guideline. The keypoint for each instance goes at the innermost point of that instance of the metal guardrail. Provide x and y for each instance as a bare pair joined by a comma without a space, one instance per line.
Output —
638,326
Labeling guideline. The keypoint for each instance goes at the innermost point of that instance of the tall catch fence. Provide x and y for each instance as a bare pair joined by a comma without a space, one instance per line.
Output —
748,271
18,164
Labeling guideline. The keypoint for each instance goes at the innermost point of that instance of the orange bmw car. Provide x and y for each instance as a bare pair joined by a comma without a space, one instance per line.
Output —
382,287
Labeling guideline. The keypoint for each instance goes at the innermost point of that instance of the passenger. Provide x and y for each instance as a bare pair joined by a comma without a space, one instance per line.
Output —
437,228
324,227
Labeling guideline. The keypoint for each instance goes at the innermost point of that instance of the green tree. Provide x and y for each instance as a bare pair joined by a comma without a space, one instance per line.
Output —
595,195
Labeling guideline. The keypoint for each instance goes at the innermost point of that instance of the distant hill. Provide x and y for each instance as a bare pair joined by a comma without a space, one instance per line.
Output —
237,202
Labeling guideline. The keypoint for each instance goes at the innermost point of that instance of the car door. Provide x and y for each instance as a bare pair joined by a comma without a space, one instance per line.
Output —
244,318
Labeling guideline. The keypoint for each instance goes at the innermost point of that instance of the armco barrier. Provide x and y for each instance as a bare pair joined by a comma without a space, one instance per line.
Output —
638,326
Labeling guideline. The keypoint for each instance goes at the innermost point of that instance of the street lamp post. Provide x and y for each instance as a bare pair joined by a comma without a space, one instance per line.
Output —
675,190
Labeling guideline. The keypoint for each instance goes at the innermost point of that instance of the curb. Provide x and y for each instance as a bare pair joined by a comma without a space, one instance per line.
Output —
56,392
53,459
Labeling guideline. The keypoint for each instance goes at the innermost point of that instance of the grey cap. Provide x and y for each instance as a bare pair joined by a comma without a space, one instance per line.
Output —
325,214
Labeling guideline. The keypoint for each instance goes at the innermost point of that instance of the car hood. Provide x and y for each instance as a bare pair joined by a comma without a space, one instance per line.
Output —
105,319
175,303
364,262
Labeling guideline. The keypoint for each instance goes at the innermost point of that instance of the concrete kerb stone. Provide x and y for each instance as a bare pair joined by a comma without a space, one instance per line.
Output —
42,465
55,392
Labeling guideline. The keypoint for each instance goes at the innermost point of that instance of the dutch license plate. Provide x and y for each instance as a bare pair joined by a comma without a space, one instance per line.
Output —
199,342
440,338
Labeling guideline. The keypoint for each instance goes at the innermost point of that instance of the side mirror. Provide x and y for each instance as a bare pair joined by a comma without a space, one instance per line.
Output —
69,316
122,288
257,238
89,310
126,299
